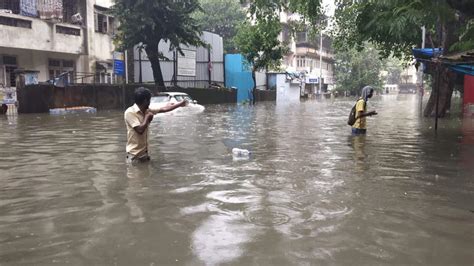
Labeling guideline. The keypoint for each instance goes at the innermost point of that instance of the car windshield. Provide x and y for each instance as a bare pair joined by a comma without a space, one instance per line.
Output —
182,97
159,99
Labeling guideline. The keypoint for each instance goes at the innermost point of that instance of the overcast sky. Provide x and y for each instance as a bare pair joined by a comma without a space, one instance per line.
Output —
329,7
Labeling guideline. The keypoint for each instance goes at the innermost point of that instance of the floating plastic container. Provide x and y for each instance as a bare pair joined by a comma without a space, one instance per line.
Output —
73,110
240,152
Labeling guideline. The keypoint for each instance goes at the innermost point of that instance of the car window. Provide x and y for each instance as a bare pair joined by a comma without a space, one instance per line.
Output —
159,99
178,97
187,98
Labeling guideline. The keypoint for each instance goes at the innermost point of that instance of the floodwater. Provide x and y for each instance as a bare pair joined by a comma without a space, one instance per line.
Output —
310,194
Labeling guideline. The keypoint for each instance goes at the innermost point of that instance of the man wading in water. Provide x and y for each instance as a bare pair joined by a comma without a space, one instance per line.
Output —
359,126
137,118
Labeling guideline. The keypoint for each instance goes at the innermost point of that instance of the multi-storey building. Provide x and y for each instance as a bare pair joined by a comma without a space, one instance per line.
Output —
52,37
307,56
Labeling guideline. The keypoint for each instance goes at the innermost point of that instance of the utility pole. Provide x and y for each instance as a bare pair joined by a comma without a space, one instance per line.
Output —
320,61
126,66
140,46
422,89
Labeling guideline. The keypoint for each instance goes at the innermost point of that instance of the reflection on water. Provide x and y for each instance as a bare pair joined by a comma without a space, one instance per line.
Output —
309,194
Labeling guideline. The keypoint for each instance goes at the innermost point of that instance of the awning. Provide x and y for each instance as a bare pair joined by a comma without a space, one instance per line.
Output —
427,53
462,63
463,69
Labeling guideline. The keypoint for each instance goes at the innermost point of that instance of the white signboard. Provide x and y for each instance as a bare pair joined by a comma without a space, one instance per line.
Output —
187,63
119,56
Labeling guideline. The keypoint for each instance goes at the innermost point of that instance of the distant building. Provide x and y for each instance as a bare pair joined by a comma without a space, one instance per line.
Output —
306,55
408,83
56,36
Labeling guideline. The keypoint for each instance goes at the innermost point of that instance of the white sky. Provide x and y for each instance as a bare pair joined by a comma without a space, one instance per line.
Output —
329,7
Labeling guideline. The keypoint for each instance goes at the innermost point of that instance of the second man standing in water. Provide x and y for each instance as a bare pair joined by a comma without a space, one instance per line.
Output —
360,126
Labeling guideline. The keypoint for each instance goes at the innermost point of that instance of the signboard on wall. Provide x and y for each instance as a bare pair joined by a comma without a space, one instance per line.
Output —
119,64
312,80
187,63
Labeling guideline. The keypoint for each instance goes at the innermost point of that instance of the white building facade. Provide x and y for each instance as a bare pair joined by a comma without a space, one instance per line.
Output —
309,57
52,37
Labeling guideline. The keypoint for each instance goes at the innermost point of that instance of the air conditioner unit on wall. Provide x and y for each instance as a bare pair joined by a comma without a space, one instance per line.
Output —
77,18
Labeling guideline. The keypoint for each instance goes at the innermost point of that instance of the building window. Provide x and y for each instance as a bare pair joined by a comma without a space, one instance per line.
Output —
111,25
68,30
8,65
57,67
11,76
103,23
301,37
285,34
12,5
9,60
70,8
15,22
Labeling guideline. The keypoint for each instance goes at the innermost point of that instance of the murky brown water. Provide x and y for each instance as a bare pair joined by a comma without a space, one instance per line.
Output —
309,195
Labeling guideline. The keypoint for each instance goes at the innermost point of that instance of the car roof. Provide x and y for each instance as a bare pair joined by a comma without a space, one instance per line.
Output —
171,94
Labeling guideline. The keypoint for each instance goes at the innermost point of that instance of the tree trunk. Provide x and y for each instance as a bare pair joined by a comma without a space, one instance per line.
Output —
446,83
152,53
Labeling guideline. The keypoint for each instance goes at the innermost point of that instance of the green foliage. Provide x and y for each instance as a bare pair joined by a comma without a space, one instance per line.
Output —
466,38
259,44
310,11
265,9
394,26
152,21
355,69
221,17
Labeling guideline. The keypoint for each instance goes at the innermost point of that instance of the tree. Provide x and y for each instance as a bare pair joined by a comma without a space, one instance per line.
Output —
260,46
394,27
151,21
356,69
258,41
221,17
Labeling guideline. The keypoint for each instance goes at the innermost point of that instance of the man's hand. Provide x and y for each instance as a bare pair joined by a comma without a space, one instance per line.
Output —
148,117
371,113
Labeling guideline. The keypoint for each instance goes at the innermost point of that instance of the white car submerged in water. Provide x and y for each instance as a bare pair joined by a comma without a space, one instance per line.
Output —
165,98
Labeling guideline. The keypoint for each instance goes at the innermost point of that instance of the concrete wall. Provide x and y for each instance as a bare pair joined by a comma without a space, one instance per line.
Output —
103,46
38,60
41,98
265,95
41,37
287,92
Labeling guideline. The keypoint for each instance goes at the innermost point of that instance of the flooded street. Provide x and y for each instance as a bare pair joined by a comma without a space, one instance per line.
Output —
310,194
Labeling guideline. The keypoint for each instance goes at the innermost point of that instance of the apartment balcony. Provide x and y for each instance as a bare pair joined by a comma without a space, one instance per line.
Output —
311,50
35,34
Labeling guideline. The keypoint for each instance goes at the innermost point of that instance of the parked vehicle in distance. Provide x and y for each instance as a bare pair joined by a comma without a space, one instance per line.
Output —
165,98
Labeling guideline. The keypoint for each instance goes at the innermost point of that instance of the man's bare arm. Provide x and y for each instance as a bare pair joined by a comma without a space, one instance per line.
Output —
169,107
142,127
364,114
